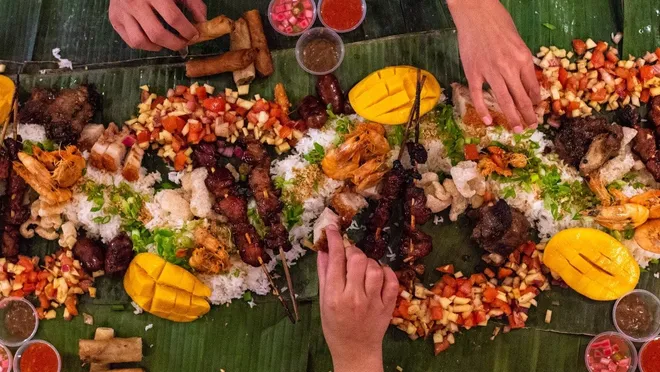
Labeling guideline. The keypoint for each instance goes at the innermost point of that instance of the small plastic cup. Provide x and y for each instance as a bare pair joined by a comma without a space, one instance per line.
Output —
623,341
9,357
318,33
641,352
653,304
21,350
364,14
274,23
7,339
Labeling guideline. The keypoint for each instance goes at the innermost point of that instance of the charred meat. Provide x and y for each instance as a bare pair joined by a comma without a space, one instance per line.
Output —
34,110
654,111
415,205
604,147
500,229
219,182
645,146
348,204
10,240
575,136
119,254
203,155
417,244
90,254
628,116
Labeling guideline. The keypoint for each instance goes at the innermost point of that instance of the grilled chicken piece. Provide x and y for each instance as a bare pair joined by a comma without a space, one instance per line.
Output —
604,147
132,164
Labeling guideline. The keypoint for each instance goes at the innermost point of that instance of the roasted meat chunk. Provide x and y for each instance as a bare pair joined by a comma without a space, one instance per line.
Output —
654,111
575,136
90,254
500,229
34,110
119,254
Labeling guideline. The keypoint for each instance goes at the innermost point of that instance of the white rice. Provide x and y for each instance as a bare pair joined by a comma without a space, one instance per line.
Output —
241,277
32,132
641,255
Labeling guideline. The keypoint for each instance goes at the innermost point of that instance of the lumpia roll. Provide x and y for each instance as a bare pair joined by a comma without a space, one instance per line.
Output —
230,61
240,39
264,61
213,29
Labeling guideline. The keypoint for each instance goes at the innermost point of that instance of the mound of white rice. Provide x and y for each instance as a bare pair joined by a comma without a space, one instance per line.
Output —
240,278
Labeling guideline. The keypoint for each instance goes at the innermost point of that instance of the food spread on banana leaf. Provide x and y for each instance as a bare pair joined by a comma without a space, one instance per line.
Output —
249,183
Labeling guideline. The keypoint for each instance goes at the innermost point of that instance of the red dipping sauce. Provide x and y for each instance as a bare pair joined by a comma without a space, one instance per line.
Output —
649,359
342,15
39,357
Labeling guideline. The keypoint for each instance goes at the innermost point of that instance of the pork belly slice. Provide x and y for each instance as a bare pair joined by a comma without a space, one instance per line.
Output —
132,164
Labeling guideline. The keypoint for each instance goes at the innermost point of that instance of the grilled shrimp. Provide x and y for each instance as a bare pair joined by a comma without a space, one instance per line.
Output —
648,236
651,200
621,217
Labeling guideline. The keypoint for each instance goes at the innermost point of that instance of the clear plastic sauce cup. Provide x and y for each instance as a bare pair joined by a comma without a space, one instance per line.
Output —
11,333
610,346
316,45
628,307
20,352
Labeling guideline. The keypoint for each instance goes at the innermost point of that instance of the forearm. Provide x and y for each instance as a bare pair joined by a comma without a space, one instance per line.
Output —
370,362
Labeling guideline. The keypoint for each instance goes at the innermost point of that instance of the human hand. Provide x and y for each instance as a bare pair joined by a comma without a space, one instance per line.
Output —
492,52
136,22
357,298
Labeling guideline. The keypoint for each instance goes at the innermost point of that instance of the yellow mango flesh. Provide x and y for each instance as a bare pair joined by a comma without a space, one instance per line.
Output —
592,262
386,96
166,290
7,89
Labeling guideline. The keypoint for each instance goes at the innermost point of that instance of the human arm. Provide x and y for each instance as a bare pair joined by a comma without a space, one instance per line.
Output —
136,21
357,297
492,52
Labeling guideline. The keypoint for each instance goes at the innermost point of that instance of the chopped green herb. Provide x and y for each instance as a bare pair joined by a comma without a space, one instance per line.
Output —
451,134
165,185
173,245
247,296
256,221
316,155
550,26
343,125
117,308
292,213
629,233
395,136
46,145
508,192
101,220
280,183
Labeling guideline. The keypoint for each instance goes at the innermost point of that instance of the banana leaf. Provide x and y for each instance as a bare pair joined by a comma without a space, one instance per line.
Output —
18,29
641,26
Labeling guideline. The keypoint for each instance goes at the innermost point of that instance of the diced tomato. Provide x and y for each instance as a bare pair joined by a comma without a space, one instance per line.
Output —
611,56
504,272
478,278
44,275
438,287
201,94
172,123
447,269
241,111
17,293
609,66
157,101
449,280
573,105
563,75
33,277
436,313
469,322
271,122
260,105
50,292
448,291
501,305
209,137
529,289
556,107
143,136
403,308
646,72
230,117
20,278
528,248
215,104
621,89
465,287
180,89
479,317
601,46
252,117
41,285
29,287
516,321
177,143
645,95
470,151
598,95
489,273
26,262
189,97
180,161
275,111
439,348
70,304
598,59
43,301
489,294
579,46
154,134
284,131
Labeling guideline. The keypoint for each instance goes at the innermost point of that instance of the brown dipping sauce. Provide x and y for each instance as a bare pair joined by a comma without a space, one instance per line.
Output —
19,320
320,55
633,316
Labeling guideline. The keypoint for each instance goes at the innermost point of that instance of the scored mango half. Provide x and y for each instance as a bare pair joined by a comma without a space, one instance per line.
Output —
7,89
386,96
592,262
166,290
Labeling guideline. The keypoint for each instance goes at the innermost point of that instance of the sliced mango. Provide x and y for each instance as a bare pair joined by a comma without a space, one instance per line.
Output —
386,96
592,262
166,290
7,89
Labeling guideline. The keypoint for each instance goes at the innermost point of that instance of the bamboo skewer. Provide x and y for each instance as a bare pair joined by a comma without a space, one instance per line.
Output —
276,291
414,112
289,282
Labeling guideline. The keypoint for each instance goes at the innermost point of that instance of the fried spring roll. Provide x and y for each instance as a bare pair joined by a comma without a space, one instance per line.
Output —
213,29
102,333
114,350
282,99
240,39
230,61
264,61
